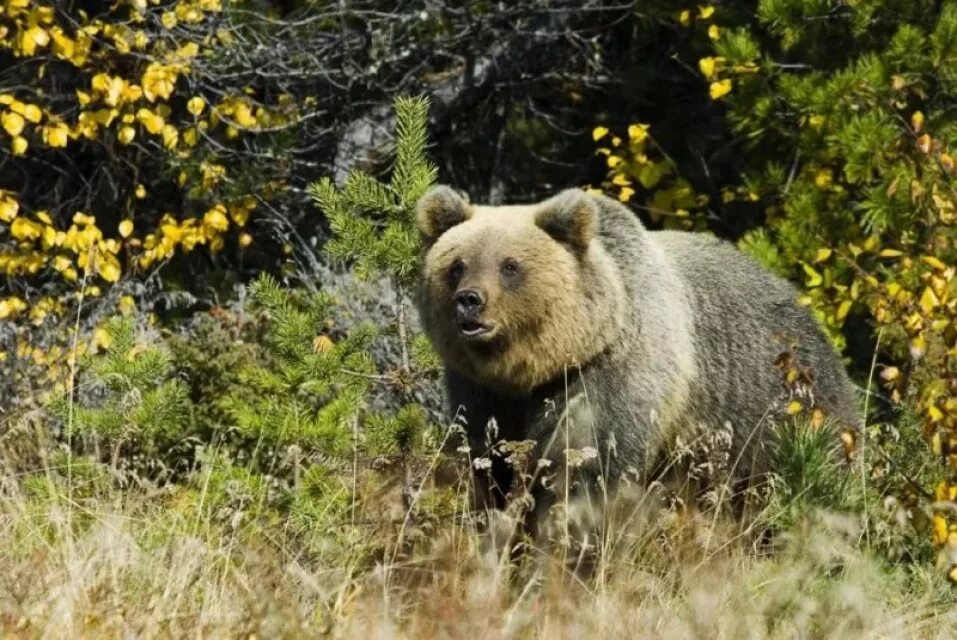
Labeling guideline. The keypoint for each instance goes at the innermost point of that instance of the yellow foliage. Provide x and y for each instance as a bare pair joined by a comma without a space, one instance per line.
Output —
127,73
719,89
709,66
216,218
108,267
126,134
196,105
30,112
25,229
638,133
10,307
158,81
170,136
56,135
152,122
12,123
32,39
8,206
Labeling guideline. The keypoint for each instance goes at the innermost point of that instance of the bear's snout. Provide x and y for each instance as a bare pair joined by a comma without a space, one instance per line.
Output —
468,303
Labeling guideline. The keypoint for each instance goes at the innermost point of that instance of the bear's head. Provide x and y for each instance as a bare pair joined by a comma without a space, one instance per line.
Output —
513,296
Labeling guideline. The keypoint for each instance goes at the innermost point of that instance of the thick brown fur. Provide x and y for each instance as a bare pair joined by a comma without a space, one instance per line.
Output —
600,333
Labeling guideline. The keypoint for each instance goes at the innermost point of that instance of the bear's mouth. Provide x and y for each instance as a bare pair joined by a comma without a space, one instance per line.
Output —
474,330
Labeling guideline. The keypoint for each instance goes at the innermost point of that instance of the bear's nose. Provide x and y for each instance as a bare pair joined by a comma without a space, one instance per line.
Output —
468,302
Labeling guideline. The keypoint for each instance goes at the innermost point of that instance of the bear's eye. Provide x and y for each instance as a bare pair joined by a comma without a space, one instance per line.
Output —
456,271
510,267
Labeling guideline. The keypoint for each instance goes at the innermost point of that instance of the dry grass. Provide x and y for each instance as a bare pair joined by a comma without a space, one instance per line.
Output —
132,564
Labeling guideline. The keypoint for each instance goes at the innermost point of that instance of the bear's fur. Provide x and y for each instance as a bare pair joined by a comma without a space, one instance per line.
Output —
589,330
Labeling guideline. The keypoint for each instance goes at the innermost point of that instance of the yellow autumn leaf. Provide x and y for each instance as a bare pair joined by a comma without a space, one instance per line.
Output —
941,529
170,136
705,11
55,135
714,32
100,339
918,347
621,180
187,51
114,91
126,305
890,253
152,122
947,162
126,228
216,218
108,267
822,255
196,105
19,145
33,38
933,263
63,46
244,116
31,112
719,89
684,17
105,117
158,81
709,66
126,134
83,219
625,194
598,133
929,300
8,207
638,132
191,137
49,237
814,279
917,121
25,229
13,123
843,309
11,306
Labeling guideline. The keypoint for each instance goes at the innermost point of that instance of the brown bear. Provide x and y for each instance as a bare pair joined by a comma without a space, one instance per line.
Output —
568,323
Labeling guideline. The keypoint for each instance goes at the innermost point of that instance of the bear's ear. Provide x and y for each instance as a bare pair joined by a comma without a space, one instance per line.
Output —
440,209
571,218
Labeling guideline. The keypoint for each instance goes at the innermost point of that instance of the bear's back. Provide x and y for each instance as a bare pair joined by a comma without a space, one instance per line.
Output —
745,318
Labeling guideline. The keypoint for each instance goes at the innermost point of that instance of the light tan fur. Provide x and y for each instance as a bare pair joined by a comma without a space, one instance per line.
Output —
565,313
